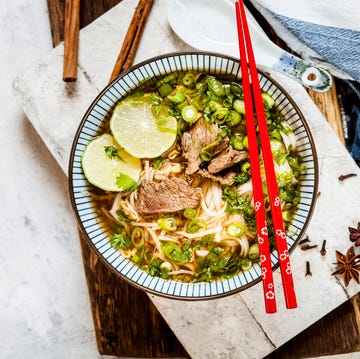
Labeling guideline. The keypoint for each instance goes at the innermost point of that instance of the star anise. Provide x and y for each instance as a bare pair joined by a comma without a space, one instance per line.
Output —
354,235
348,265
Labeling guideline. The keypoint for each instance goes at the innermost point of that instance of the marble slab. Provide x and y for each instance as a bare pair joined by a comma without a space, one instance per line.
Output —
235,326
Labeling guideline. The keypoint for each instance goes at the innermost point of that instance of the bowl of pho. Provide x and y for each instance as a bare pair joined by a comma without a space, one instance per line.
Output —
160,178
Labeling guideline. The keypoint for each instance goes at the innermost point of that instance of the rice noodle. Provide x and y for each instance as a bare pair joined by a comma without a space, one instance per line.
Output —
115,206
181,271
156,241
167,169
244,244
162,237
200,233
245,189
153,225
209,211
130,211
173,154
148,173
234,218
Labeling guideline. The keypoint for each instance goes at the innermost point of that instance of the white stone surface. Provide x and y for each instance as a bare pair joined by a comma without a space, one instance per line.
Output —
45,311
41,266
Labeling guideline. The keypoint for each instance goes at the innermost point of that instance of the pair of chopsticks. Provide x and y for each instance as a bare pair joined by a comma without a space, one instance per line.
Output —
128,49
252,92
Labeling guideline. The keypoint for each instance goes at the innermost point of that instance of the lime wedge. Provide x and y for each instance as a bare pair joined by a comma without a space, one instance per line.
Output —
139,132
106,166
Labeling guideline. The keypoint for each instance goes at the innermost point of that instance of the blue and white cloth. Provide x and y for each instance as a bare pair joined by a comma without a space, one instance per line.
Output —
327,33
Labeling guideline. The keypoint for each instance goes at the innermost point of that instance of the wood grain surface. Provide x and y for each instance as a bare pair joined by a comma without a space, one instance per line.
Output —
128,324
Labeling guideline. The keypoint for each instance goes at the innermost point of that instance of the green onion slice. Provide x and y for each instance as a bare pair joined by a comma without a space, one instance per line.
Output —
189,113
190,213
194,225
235,229
167,223
137,237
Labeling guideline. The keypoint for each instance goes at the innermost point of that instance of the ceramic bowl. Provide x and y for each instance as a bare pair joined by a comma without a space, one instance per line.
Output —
93,124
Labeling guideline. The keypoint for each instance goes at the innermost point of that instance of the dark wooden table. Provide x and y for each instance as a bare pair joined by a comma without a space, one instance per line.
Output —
126,322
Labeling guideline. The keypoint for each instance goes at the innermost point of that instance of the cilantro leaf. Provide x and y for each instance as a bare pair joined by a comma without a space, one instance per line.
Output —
111,151
122,216
125,182
120,241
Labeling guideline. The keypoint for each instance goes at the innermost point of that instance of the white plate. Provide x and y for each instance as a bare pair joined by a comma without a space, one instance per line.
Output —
208,25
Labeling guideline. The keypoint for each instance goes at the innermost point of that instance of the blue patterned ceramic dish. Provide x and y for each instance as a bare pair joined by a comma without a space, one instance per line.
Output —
94,123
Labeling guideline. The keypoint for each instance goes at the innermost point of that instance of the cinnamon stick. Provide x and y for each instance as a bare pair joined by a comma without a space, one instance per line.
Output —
71,39
132,38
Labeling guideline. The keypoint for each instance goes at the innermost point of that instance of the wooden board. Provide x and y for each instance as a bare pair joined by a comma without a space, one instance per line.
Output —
128,324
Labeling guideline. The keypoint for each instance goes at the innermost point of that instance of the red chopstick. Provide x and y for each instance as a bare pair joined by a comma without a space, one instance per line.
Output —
247,62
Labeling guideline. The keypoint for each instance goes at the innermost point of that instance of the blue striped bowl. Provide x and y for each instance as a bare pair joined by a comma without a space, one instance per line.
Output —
94,123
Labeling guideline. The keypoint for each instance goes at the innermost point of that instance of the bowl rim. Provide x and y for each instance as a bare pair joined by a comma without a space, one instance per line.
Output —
85,235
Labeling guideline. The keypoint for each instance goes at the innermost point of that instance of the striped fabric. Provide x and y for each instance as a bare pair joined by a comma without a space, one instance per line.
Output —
326,32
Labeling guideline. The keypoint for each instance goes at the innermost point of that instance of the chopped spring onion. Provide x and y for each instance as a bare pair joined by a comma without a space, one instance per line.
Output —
194,225
233,118
188,79
276,146
171,78
167,223
215,86
205,155
220,113
276,134
246,142
177,97
176,253
268,100
236,142
254,251
228,100
165,90
245,167
246,264
235,229
166,266
190,213
189,113
236,89
138,237
287,216
239,106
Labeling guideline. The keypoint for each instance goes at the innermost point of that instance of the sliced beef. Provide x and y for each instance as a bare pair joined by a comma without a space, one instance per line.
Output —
226,159
171,195
224,178
200,135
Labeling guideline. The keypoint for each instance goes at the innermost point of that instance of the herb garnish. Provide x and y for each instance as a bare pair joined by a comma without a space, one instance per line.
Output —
125,182
120,241
111,152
